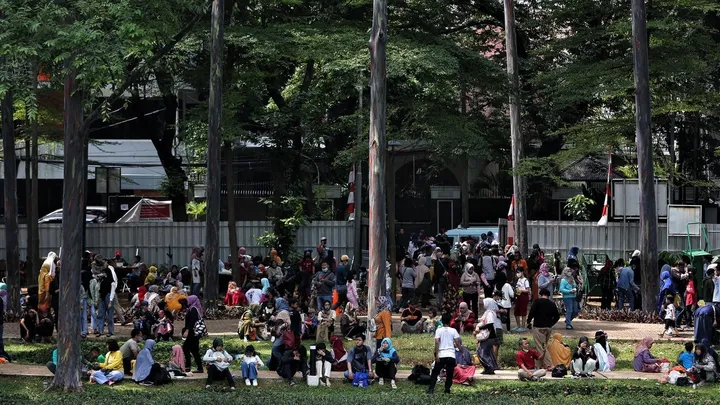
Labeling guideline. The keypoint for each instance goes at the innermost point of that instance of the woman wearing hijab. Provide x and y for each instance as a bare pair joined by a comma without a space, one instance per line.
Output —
172,300
584,359
545,280
486,337
605,358
464,372
196,268
151,277
463,319
246,327
643,360
704,366
265,285
176,365
386,360
706,320
234,295
383,320
218,361
47,275
339,354
191,346
712,352
560,353
568,289
349,325
153,298
145,371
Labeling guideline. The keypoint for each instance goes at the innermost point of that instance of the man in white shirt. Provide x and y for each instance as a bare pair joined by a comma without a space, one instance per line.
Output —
446,340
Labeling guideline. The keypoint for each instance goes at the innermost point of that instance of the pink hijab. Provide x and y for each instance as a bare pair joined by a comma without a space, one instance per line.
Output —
644,345
178,357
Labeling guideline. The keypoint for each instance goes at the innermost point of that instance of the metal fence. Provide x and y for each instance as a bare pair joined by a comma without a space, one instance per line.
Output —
153,241
617,239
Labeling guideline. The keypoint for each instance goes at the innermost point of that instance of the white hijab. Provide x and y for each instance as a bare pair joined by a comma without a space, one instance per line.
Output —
50,260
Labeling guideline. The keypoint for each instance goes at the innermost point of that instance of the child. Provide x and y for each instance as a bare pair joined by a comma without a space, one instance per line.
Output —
250,363
164,327
690,302
685,358
143,319
669,307
218,362
432,323
310,323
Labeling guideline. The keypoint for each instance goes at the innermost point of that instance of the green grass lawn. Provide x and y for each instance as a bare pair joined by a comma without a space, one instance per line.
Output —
28,390
412,349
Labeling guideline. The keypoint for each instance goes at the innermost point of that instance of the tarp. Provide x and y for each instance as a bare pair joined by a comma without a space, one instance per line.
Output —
147,210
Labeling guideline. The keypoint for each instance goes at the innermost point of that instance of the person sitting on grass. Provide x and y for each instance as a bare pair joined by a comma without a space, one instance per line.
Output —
433,322
164,327
703,369
248,326
349,325
218,361
146,372
412,320
86,364
560,353
324,362
525,360
605,358
685,359
292,361
386,360
584,359
464,319
644,361
131,349
111,370
464,372
359,359
250,364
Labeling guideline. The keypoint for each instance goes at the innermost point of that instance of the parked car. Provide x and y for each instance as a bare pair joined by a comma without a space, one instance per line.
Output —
97,215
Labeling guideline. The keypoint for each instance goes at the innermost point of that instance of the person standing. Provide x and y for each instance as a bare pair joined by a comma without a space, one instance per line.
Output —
568,289
545,315
546,280
408,283
196,267
626,287
323,282
607,282
341,277
469,281
191,346
488,269
447,340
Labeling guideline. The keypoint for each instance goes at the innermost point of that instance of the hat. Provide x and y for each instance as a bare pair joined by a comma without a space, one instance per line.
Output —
323,238
143,303
344,258
712,266
600,333
117,253
635,253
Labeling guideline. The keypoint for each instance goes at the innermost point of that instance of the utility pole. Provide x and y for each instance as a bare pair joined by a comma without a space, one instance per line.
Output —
212,224
357,225
643,139
515,136
377,231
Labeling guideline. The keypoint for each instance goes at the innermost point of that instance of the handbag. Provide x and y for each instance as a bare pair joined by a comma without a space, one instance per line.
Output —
200,329
483,335
611,361
360,379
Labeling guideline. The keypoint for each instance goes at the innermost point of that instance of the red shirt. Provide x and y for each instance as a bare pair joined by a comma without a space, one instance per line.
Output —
307,266
528,359
690,294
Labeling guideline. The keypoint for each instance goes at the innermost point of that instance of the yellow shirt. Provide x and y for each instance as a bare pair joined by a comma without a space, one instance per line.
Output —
113,361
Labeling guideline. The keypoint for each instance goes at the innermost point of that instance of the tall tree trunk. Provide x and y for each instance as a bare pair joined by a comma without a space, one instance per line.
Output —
34,211
378,155
29,262
646,175
519,184
69,349
212,224
11,207
230,189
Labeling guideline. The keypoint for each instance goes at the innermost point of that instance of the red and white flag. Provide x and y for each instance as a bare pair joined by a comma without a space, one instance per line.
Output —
511,211
605,212
351,194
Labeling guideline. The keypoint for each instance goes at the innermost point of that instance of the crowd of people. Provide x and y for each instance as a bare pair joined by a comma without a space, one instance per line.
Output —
476,286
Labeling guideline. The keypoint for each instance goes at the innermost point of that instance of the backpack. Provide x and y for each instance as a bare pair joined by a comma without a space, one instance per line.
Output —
559,371
162,375
200,329
360,379
420,374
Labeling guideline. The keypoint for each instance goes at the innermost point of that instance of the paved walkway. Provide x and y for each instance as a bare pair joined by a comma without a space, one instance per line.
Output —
501,375
583,327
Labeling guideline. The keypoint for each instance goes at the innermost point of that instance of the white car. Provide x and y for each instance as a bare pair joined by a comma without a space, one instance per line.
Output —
93,214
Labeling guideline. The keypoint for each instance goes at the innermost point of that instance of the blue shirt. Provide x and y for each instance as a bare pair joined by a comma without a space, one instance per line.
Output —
626,279
686,360
341,278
